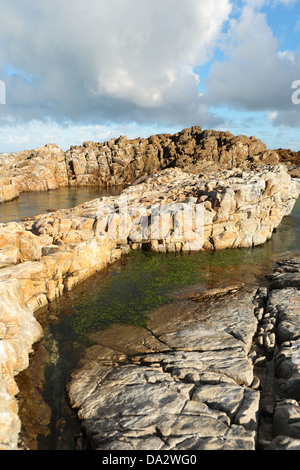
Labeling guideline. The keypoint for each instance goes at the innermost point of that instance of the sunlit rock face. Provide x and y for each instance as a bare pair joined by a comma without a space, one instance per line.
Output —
184,383
121,161
50,253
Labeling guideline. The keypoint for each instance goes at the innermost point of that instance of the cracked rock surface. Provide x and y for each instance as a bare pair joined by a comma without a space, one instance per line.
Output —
186,382
284,306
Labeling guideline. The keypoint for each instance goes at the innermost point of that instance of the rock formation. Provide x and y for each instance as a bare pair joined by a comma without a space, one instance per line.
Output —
121,161
291,159
225,370
239,194
35,170
184,383
52,252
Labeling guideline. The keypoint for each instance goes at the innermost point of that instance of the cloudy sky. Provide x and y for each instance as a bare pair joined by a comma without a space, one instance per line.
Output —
78,70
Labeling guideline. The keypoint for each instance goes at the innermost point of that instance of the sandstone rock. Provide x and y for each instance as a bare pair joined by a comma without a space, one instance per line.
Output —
42,257
190,395
8,189
34,170
284,443
122,162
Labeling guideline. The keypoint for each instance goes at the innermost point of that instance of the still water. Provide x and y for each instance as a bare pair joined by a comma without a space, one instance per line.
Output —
32,204
125,293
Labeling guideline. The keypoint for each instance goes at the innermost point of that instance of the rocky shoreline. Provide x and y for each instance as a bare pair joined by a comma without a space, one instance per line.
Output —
218,374
119,161
42,257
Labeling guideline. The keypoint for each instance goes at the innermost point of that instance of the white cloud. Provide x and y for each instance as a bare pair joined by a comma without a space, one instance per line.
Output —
255,76
99,65
108,60
272,115
286,2
287,55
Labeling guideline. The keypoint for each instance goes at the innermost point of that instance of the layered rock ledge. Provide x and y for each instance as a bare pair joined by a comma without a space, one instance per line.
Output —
121,161
221,372
184,383
52,252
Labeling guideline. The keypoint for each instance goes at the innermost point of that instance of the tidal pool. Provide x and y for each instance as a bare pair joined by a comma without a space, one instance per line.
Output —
32,204
125,293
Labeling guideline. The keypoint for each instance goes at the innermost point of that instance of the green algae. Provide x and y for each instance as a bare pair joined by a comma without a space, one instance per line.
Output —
146,280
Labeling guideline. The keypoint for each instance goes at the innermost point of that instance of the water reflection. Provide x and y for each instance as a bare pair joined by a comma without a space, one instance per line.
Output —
32,204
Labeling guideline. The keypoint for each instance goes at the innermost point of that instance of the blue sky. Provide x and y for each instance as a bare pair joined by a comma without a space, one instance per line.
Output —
78,70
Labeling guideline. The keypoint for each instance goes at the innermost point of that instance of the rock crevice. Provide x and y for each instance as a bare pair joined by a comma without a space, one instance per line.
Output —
50,253
122,161
197,395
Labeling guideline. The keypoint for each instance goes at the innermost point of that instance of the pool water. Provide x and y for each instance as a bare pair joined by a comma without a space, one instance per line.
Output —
35,203
125,293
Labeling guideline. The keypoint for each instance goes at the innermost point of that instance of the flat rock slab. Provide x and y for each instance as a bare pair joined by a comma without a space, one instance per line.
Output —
192,391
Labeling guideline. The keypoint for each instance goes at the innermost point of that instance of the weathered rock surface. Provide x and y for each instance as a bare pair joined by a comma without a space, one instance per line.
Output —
35,170
121,161
185,383
278,340
291,159
176,211
53,252
284,302
42,257
209,347
17,245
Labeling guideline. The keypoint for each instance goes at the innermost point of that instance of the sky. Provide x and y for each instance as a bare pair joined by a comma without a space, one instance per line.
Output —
78,70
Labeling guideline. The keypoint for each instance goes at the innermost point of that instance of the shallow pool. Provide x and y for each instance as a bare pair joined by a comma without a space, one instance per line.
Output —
125,293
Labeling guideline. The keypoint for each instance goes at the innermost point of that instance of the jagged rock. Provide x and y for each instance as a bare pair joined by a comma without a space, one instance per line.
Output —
17,245
53,252
187,396
35,170
236,209
121,161
283,305
43,256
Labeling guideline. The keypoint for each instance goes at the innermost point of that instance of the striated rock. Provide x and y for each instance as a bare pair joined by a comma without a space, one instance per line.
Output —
184,394
35,170
52,252
18,332
283,306
8,189
176,211
17,245
121,161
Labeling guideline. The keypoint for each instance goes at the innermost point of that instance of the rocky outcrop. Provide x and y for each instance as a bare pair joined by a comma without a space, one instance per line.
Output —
225,365
121,161
24,288
184,383
291,160
176,211
44,256
17,245
42,169
284,307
